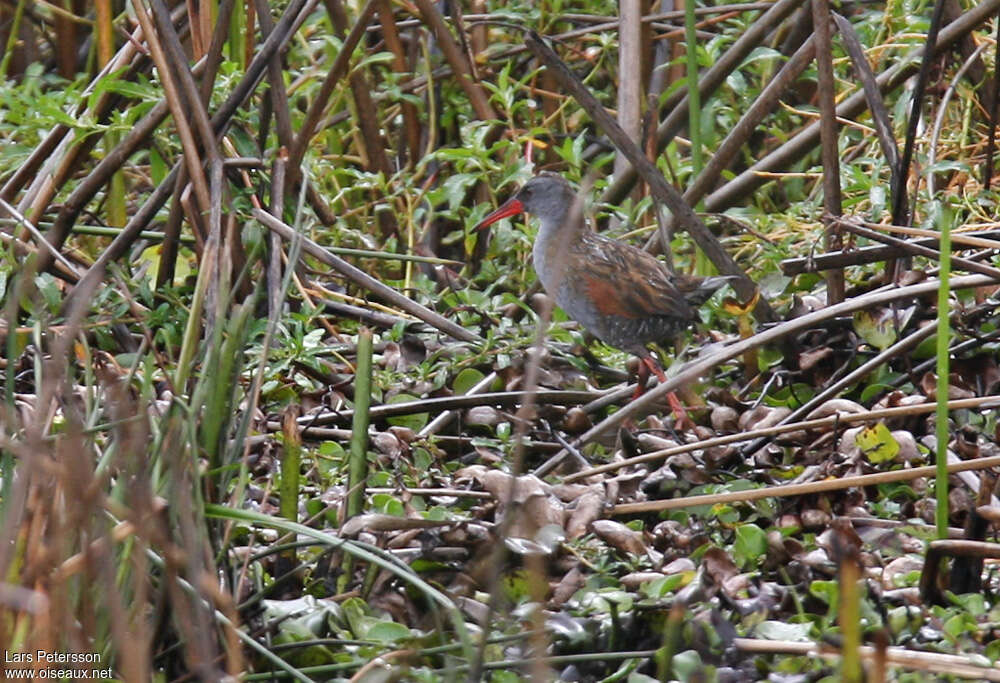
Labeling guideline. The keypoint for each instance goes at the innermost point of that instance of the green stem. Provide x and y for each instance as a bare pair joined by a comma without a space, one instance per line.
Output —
290,467
192,330
850,619
943,335
694,97
12,37
357,468
702,265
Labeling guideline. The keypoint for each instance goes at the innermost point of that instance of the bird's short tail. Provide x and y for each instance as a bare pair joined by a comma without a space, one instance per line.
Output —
704,288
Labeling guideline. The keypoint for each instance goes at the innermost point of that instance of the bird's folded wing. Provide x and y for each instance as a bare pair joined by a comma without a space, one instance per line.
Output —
624,281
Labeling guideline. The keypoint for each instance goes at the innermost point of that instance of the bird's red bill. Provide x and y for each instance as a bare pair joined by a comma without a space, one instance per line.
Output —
511,207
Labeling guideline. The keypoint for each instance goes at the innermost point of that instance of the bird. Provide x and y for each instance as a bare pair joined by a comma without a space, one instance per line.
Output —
623,295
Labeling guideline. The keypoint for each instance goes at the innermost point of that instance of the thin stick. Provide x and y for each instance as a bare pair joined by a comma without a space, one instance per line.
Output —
933,662
911,248
802,489
829,150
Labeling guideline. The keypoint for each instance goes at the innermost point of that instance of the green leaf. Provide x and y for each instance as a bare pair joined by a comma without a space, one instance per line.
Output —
825,590
973,603
456,188
128,89
664,586
875,330
750,545
780,630
330,458
877,443
687,665
414,421
388,505
157,166
993,650
960,624
387,632
466,379
879,327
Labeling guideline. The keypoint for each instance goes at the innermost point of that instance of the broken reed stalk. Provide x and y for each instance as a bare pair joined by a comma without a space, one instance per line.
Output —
357,469
362,279
291,458
288,487
849,610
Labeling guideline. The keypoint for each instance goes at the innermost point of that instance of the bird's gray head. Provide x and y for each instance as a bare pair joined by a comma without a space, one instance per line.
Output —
548,196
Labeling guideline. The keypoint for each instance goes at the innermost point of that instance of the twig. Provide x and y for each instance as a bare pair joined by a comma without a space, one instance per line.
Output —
829,149
802,489
933,662
39,239
911,248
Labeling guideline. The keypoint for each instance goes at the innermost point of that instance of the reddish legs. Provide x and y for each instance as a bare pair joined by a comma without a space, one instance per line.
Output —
648,365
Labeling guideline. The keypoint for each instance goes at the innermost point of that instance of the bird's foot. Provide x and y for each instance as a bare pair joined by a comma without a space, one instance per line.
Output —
649,366
681,420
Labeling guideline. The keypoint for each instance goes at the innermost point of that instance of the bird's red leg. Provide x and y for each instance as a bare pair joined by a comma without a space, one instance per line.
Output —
675,404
